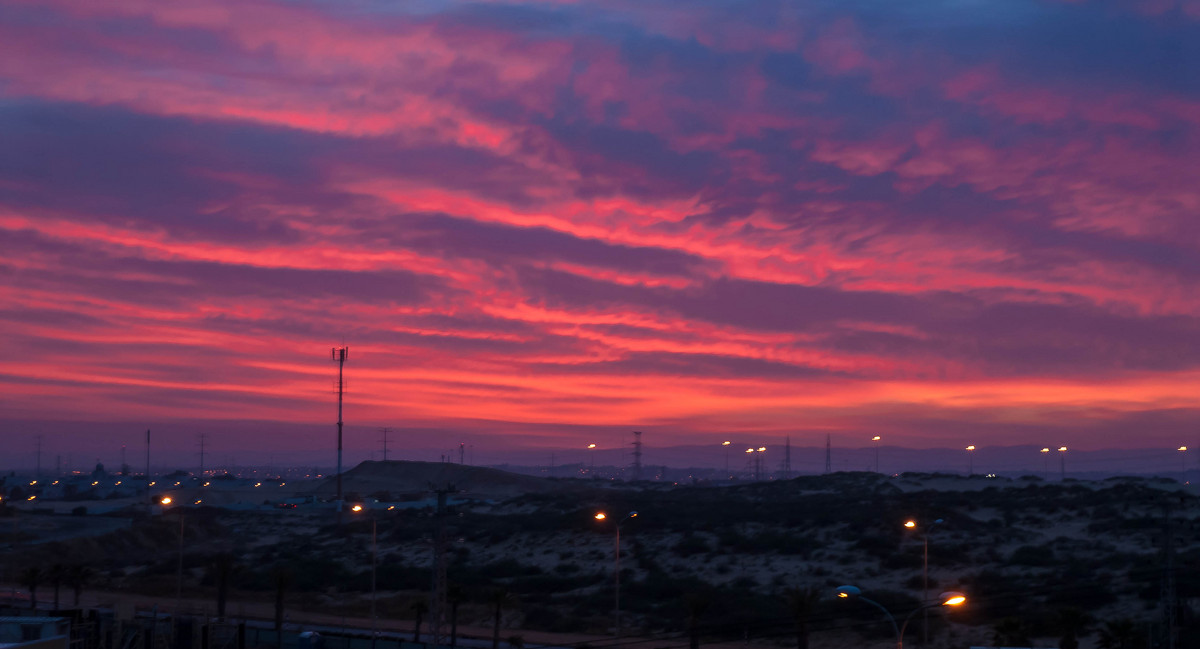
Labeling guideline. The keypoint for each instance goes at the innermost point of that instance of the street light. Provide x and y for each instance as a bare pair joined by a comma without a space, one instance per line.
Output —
970,460
1045,461
591,459
726,445
600,516
912,524
1183,462
875,443
948,598
1063,459
374,562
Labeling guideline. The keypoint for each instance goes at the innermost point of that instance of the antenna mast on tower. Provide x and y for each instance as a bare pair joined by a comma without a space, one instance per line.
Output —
339,356
637,455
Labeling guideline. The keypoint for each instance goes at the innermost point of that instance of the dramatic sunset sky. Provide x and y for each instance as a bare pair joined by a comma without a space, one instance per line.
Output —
539,224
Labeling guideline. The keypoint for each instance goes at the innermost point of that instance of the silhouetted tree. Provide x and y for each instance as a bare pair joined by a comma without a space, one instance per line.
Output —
800,602
56,575
282,578
454,596
78,576
498,598
420,608
223,568
31,578
1072,623
697,604
1011,632
1121,634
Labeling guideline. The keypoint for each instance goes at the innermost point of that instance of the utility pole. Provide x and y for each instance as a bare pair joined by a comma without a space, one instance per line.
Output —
385,430
462,453
637,455
339,356
203,436
437,608
787,458
828,453
1168,584
149,500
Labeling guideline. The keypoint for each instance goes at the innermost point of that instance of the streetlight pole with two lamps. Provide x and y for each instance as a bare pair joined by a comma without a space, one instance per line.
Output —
600,516
912,525
949,598
358,509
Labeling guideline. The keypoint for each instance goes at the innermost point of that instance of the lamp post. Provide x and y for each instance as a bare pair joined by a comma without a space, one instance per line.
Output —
600,516
1062,457
949,598
726,445
912,524
1182,463
1045,461
970,460
875,443
166,501
591,460
358,509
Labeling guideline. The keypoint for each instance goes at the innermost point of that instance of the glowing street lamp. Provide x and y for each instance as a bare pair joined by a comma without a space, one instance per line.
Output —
1045,461
1063,461
726,445
970,460
948,598
1183,461
875,443
600,516
591,459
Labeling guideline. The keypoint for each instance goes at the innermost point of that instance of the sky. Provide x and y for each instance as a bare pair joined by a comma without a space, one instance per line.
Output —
544,224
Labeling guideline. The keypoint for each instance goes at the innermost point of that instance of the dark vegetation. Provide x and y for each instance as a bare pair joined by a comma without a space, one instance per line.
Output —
757,560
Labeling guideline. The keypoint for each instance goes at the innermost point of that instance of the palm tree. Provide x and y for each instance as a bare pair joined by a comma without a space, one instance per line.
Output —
800,603
78,576
57,574
498,597
31,578
1121,634
454,596
1072,622
420,608
1010,632
223,569
282,577
697,604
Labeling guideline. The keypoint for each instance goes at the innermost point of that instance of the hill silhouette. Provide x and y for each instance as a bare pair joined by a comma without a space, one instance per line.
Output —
407,477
